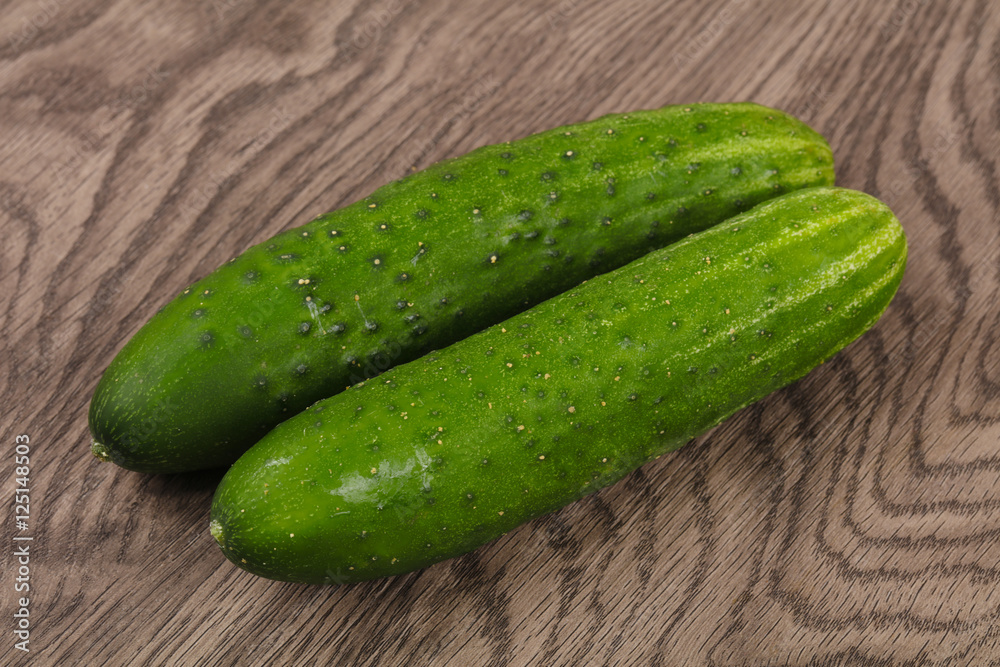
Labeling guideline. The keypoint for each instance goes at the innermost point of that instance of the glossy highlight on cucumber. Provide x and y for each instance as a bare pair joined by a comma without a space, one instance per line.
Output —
425,261
441,455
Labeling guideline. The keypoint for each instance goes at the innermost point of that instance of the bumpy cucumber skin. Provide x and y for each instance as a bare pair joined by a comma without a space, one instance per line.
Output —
426,261
441,455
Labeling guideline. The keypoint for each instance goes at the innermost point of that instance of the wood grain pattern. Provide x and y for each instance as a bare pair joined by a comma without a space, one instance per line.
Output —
851,519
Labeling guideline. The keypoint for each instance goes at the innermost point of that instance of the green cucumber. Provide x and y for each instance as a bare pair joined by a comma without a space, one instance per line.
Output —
426,261
443,454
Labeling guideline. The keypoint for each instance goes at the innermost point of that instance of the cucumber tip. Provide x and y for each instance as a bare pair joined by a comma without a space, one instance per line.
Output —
100,451
215,528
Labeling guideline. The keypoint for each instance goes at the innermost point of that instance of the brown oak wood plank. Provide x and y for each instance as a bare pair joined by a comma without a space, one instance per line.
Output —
851,519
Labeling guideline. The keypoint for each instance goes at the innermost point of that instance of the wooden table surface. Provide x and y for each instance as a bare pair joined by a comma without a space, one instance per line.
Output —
851,519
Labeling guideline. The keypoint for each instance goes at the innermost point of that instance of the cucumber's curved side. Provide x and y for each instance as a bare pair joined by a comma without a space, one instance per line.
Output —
424,262
441,455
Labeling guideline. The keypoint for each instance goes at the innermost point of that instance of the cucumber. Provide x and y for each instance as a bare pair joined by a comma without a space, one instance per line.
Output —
426,261
443,454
